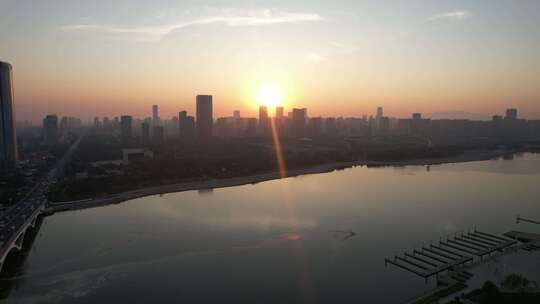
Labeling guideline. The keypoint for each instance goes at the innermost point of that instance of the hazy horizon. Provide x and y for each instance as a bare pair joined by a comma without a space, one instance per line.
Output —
339,58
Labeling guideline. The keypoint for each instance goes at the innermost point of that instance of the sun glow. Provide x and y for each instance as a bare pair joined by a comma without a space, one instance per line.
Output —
269,95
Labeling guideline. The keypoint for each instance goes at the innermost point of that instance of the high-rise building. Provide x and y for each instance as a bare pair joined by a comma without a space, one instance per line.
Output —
158,134
126,122
299,117
205,119
63,126
50,129
236,114
379,112
8,137
155,115
511,114
384,125
279,113
182,119
330,126
190,127
186,125
264,122
106,122
419,125
145,131
251,126
315,126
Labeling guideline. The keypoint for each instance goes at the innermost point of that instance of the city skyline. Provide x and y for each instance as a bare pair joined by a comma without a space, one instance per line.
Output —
336,60
274,151
278,111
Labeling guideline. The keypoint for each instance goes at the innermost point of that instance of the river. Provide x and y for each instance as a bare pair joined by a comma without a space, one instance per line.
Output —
280,241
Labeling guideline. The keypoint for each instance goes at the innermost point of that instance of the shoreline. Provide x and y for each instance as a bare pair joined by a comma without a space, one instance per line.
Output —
258,178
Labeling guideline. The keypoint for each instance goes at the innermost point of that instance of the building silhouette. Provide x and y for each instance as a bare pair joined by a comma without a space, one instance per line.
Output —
379,112
384,125
50,129
126,122
145,131
205,119
330,126
63,126
158,134
264,122
8,137
279,113
182,120
315,126
186,125
155,115
299,117
511,114
251,126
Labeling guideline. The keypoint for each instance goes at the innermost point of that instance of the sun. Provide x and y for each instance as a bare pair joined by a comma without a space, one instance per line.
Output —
269,95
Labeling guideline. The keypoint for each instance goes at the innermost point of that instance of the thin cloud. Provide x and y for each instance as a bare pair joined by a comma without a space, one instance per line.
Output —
454,15
231,18
316,57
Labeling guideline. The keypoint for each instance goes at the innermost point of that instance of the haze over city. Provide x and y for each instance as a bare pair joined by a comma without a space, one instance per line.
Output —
339,58
234,151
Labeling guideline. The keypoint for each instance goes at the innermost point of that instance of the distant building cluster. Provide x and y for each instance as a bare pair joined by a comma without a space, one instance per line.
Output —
297,124
293,124
55,131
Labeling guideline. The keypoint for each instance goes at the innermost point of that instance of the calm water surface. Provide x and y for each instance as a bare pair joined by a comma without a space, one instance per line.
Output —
274,242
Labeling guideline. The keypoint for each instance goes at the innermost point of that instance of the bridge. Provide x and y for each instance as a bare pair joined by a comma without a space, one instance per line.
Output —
18,219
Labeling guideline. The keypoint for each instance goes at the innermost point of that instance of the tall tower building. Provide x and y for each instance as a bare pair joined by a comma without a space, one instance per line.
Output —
299,117
279,113
126,122
50,129
145,131
182,121
155,115
204,119
8,137
511,114
236,114
63,126
186,125
158,134
379,112
264,123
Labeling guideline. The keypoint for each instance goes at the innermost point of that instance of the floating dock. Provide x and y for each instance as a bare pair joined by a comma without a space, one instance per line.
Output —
522,219
448,254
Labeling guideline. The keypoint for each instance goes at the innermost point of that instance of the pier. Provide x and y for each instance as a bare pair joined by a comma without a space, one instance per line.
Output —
446,255
522,219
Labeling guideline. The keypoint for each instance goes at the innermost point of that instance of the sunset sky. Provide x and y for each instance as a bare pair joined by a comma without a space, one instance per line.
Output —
107,58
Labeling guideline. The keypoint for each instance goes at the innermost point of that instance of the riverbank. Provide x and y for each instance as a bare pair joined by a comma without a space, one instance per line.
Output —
254,179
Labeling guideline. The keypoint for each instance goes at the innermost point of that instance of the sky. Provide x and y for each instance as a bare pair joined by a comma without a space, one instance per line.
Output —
336,58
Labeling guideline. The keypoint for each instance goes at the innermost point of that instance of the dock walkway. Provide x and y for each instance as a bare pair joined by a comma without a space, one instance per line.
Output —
448,254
